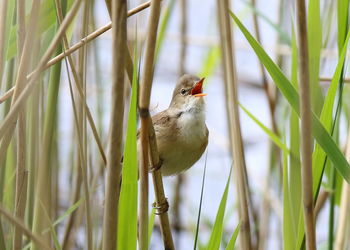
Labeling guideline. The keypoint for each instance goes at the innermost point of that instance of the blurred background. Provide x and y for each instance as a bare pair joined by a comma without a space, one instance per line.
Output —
188,42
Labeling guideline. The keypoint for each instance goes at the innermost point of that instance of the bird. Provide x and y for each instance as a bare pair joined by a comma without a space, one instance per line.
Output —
181,132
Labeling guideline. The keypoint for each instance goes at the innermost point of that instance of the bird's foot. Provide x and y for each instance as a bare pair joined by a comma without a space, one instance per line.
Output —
161,208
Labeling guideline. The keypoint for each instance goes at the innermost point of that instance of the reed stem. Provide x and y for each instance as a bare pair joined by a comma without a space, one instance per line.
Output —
148,140
237,150
3,15
80,44
114,165
305,117
343,228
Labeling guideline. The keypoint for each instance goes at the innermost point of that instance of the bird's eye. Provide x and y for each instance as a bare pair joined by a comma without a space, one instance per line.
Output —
183,91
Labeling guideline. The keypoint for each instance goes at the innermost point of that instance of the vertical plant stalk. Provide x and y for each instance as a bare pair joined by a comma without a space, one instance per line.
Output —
24,42
119,39
82,162
3,15
82,111
263,227
80,44
343,228
306,139
181,178
21,27
268,92
41,198
17,223
234,122
183,34
128,64
161,201
9,122
148,139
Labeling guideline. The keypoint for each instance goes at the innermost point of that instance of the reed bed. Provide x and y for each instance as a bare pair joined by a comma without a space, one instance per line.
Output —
72,115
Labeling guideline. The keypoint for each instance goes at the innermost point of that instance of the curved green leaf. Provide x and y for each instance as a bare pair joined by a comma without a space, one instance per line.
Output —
216,234
273,137
289,92
127,217
232,242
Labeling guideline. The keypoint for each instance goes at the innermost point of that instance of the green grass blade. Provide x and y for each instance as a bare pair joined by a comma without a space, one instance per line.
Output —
47,13
52,229
210,62
68,212
284,37
319,155
163,26
289,227
343,10
289,92
200,202
127,222
152,216
216,234
315,46
273,137
231,244
294,183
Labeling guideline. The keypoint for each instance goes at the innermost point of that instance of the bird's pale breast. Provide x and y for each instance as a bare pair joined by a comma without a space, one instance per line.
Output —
180,152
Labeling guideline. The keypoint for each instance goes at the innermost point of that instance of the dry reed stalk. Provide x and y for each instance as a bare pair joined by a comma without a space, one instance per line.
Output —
234,123
268,92
8,123
119,39
69,233
343,228
81,119
161,201
42,202
21,30
24,55
3,15
263,226
80,44
321,201
148,139
37,239
305,117
181,178
183,34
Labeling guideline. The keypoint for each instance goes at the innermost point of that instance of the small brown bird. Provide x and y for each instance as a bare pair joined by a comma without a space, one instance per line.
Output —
181,133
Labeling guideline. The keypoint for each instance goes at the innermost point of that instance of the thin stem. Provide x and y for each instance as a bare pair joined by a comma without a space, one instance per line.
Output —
148,139
17,223
306,140
24,42
80,44
234,123
344,216
331,210
3,15
21,173
181,178
82,60
119,39
8,123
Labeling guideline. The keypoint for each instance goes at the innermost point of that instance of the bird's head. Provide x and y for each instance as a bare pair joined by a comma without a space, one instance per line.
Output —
188,94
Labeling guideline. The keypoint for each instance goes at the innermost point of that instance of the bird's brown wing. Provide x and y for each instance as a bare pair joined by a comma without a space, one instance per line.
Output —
159,119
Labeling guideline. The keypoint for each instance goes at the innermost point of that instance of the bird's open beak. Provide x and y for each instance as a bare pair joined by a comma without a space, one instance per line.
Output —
197,89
